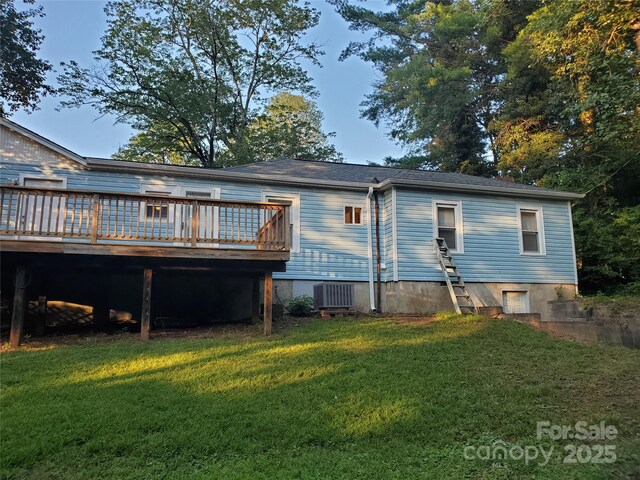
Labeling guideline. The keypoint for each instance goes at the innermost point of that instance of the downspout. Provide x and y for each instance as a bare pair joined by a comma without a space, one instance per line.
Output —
378,264
372,301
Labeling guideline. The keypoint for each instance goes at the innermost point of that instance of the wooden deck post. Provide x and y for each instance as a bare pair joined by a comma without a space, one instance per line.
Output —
255,300
268,298
19,306
145,319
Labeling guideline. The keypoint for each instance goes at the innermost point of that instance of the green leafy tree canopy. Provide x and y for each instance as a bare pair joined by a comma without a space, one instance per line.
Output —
291,126
188,73
440,64
22,73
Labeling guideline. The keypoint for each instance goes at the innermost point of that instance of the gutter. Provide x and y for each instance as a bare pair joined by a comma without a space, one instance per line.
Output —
372,301
497,190
198,172
107,165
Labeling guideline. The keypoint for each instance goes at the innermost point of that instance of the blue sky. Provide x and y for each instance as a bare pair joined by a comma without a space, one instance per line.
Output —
72,30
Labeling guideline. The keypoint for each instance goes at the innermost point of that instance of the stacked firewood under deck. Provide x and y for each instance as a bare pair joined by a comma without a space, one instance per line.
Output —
53,228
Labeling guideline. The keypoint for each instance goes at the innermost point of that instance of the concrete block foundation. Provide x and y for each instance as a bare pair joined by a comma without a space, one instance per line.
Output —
429,297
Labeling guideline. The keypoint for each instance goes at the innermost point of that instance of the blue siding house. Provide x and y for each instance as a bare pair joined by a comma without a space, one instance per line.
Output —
302,222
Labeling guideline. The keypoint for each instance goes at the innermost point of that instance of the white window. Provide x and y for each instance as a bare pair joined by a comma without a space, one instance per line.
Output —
531,230
515,301
294,214
352,215
157,210
448,224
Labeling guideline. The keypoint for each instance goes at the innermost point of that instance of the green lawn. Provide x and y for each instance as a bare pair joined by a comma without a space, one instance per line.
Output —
329,399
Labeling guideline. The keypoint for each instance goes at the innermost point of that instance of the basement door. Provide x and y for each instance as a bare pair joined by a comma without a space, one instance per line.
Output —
515,302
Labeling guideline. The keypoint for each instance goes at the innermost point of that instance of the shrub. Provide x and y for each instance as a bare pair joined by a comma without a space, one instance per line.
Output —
301,305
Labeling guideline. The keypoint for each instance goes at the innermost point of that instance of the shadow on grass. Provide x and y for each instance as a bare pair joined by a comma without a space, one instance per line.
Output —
334,399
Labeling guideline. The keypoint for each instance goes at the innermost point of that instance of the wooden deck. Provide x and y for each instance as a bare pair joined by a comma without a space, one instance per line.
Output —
36,220
46,231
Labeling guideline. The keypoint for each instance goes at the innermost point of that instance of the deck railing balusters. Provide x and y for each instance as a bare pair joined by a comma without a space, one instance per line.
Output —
210,223
62,217
41,221
33,211
8,220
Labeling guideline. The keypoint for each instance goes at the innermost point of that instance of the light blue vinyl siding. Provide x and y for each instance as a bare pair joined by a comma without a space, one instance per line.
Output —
331,250
491,242
388,236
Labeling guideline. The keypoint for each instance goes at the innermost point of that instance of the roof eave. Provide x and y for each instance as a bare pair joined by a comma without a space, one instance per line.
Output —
123,166
505,191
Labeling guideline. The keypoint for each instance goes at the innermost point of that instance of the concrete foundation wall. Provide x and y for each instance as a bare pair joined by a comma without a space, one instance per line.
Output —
430,297
293,288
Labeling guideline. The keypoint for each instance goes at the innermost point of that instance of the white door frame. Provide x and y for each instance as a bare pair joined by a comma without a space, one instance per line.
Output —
526,298
294,213
212,224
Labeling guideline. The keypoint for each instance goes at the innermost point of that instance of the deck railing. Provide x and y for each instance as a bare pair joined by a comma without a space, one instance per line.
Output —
32,213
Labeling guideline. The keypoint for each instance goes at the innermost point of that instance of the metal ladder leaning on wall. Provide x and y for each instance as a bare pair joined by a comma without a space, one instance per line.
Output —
461,300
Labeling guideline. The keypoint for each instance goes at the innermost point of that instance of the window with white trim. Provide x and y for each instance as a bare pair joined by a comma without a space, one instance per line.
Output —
294,214
156,210
447,224
352,215
531,230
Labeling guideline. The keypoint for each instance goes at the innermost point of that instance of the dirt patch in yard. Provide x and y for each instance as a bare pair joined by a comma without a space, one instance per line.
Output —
87,335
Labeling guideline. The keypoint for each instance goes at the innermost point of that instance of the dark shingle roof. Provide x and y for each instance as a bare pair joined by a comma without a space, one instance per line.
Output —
306,172
348,172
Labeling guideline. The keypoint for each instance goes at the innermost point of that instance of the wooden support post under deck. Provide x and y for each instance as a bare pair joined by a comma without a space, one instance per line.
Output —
255,300
145,319
19,306
268,298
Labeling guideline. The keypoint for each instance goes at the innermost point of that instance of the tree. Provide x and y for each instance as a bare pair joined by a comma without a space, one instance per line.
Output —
441,62
291,126
575,71
572,91
22,73
188,73
546,92
158,144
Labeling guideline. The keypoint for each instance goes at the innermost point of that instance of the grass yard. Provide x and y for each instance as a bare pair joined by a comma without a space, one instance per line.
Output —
330,399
